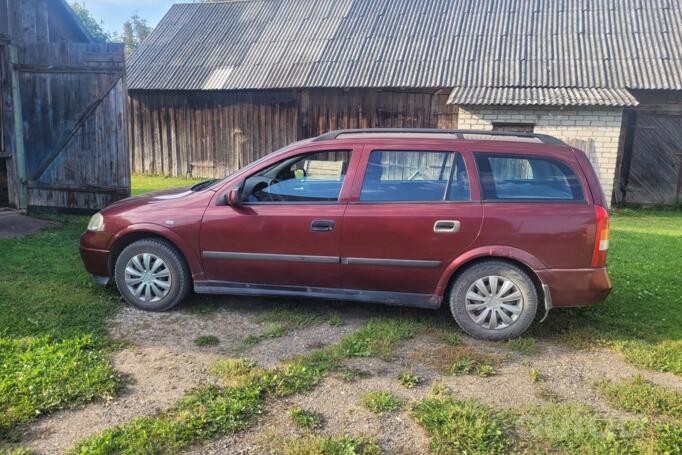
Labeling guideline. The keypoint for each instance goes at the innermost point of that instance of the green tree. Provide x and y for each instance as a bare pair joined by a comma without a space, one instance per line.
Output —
89,22
135,30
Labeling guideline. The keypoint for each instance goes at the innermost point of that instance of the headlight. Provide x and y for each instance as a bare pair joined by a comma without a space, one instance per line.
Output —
96,222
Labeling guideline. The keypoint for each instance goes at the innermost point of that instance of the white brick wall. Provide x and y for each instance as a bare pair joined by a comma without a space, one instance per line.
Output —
592,129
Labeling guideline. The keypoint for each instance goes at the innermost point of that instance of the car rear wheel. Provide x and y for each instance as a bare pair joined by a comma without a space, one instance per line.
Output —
152,275
494,300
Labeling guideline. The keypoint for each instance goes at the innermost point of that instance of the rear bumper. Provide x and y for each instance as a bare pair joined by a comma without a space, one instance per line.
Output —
576,287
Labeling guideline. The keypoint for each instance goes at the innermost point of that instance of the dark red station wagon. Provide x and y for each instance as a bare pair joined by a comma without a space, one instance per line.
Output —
495,224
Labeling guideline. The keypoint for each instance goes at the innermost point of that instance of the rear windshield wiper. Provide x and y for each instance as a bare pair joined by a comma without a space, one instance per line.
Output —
201,185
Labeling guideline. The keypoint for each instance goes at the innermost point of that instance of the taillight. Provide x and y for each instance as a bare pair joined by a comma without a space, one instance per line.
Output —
601,241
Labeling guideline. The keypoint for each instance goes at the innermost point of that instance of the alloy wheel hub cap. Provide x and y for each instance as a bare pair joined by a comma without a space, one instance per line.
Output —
494,302
147,277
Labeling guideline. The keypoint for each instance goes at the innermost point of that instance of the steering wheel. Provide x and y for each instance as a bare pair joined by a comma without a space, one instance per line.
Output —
269,195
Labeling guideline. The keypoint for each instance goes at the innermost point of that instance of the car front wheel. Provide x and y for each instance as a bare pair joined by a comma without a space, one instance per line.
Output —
494,300
152,275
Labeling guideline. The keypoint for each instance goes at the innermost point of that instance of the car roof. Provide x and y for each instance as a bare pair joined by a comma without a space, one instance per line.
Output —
434,133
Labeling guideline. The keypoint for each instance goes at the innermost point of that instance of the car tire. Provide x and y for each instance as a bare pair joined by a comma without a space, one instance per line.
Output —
494,300
148,284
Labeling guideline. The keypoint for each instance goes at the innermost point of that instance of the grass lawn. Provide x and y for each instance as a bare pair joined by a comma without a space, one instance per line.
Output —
53,348
145,183
642,317
54,352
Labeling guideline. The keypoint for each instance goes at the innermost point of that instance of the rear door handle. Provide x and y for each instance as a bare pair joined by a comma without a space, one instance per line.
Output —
446,226
322,225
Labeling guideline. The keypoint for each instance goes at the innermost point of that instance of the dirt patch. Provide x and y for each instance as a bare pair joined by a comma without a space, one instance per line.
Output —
340,405
158,377
163,364
13,225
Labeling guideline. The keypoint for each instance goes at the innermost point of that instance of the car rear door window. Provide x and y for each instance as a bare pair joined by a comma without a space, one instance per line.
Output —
313,177
526,178
415,176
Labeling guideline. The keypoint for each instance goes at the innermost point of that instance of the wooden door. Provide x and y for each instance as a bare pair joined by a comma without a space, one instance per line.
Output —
655,171
75,128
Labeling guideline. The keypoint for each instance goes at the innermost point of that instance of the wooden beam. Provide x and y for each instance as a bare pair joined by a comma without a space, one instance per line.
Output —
23,68
114,190
19,150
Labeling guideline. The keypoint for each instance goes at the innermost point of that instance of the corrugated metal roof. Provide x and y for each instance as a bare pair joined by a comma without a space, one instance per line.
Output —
541,96
413,43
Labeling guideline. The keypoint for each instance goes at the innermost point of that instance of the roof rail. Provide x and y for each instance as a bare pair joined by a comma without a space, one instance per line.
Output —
459,134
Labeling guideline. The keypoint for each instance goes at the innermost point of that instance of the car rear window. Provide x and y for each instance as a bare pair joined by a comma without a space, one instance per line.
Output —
526,178
415,176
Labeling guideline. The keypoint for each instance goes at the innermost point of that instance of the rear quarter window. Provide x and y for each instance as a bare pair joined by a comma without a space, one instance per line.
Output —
517,178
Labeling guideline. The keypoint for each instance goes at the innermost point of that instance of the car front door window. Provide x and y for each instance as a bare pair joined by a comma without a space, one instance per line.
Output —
312,177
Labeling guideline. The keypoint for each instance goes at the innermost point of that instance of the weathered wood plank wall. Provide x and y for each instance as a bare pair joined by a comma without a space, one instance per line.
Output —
211,134
72,99
75,121
37,21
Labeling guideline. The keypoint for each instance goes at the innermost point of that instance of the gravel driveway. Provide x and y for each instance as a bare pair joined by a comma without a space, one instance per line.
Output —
162,363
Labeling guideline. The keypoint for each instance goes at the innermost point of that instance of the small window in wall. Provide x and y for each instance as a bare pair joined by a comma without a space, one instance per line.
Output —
513,127
526,178
415,176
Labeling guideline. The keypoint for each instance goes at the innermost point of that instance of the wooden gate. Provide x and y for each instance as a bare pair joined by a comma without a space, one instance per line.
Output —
654,172
75,127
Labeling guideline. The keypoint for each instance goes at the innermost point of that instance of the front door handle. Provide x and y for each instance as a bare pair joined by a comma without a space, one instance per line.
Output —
322,225
446,226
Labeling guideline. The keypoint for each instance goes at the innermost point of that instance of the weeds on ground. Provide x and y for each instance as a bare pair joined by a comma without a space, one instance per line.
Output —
17,452
409,380
578,429
663,356
207,340
453,340
204,305
534,375
545,393
457,426
335,320
468,361
281,320
459,360
523,345
306,419
639,396
381,401
235,372
212,410
199,416
328,445
352,374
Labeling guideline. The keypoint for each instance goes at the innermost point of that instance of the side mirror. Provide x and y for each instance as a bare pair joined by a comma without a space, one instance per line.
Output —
234,197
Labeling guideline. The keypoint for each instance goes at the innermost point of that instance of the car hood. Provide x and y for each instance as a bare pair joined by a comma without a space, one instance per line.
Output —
154,197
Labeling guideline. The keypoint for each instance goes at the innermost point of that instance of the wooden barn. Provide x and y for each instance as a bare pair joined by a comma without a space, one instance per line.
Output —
218,85
63,141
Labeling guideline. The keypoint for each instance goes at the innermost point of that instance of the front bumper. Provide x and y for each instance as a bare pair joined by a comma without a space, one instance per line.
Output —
95,253
96,261
576,287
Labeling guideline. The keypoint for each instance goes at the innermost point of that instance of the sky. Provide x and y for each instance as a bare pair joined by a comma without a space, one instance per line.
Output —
112,13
